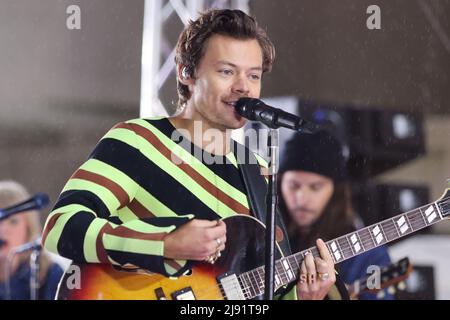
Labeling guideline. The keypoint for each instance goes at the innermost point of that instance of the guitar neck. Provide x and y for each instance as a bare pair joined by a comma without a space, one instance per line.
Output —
350,245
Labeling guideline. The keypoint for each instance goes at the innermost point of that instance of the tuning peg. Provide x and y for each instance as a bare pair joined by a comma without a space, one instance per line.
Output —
401,285
391,290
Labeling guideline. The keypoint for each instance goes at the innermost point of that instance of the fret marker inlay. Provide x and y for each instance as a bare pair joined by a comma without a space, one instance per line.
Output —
355,243
431,215
402,225
335,250
377,234
288,270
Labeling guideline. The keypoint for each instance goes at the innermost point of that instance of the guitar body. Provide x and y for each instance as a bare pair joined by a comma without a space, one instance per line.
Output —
244,251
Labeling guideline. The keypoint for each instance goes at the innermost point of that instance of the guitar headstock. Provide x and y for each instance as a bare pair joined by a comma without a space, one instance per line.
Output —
395,276
444,203
396,272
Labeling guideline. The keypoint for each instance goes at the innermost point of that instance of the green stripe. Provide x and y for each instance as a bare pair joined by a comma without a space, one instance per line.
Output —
141,226
262,162
125,215
149,247
190,184
196,164
127,136
51,242
90,240
144,197
153,204
231,157
103,169
105,195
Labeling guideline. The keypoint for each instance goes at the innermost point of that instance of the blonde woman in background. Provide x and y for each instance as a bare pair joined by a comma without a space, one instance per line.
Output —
15,231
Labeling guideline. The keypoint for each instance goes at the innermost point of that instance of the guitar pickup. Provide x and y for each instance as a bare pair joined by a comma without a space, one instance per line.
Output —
184,294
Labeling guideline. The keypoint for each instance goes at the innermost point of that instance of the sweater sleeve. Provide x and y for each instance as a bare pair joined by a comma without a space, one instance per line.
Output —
85,224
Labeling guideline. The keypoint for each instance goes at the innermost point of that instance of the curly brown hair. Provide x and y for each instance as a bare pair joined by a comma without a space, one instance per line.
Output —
233,23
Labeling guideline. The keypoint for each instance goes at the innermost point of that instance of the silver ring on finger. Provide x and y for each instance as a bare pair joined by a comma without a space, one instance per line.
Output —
323,276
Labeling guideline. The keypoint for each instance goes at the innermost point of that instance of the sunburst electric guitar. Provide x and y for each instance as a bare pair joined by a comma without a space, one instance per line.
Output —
239,272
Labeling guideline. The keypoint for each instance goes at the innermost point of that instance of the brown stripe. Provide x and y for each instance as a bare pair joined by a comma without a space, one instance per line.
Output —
173,264
100,248
121,125
125,232
205,184
49,226
112,186
139,210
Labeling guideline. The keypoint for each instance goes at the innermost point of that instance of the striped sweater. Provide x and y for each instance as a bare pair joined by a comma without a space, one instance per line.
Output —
137,186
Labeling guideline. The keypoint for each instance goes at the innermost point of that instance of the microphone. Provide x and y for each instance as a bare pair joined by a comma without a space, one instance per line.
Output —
32,245
256,110
38,201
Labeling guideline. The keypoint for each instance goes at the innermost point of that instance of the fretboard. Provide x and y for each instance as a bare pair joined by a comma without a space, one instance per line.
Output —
349,245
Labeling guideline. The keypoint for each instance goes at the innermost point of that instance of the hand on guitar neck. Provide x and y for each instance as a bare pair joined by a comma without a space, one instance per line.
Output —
317,275
198,240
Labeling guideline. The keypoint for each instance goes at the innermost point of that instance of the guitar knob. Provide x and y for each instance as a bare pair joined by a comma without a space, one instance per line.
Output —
391,290
381,294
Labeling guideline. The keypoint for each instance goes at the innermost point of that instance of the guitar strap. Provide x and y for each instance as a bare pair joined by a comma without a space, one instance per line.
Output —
256,187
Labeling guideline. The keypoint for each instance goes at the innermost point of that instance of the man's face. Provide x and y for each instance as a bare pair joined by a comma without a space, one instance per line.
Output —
229,69
306,195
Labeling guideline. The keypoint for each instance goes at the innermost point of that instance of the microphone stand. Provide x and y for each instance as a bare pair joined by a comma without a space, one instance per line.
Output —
271,206
256,110
34,273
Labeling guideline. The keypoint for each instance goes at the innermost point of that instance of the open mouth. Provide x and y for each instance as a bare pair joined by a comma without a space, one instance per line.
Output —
230,103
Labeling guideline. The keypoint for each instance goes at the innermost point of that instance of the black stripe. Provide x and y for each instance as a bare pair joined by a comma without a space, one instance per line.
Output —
85,198
166,221
118,154
153,179
70,243
146,261
224,168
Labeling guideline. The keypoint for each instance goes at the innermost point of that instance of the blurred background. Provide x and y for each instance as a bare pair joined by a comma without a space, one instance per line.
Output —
71,69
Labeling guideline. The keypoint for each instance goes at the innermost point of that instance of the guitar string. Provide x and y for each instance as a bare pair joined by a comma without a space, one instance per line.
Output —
416,222
389,232
251,284
415,219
